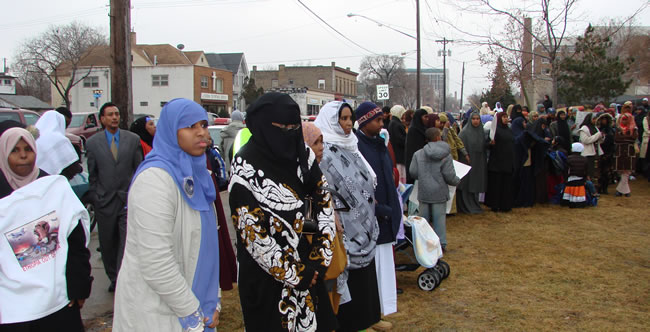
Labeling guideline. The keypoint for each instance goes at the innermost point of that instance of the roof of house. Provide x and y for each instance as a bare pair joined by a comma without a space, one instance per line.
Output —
164,54
194,56
228,61
26,102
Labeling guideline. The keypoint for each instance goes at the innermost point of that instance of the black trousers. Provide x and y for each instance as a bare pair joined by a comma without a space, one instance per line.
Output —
111,228
64,320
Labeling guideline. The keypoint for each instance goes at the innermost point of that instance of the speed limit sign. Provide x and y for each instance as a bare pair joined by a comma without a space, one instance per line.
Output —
382,92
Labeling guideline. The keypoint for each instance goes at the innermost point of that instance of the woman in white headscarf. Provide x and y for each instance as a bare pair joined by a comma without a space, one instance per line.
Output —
348,172
485,109
56,155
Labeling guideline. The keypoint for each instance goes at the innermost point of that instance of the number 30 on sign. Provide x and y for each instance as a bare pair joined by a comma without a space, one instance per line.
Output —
382,92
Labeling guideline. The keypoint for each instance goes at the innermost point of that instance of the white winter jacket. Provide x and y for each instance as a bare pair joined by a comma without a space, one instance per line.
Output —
591,142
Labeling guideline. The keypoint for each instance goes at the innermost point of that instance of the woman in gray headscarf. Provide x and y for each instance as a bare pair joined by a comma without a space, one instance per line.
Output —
475,181
228,135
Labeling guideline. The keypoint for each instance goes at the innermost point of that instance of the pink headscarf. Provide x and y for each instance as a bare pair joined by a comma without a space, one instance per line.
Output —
310,133
8,142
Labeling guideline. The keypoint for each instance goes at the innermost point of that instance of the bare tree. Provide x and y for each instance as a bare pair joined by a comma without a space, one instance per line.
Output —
388,69
57,54
36,85
549,33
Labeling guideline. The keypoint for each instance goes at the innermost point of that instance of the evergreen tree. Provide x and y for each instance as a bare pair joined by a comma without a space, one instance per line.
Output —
500,90
590,75
251,92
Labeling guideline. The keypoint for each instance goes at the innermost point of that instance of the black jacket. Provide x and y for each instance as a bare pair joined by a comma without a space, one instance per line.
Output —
77,267
387,209
502,153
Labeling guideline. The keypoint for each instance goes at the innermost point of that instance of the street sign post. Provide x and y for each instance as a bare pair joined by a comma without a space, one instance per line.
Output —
382,92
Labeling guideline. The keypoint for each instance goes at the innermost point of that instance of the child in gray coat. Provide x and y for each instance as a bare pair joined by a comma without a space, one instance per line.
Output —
433,167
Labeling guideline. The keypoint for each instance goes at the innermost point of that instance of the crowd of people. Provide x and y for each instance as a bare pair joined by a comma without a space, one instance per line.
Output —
316,207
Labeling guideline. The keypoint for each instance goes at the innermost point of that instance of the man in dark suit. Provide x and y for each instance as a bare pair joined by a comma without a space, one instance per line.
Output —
113,157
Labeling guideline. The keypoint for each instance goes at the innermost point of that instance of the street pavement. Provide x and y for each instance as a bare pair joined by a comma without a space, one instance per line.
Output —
100,302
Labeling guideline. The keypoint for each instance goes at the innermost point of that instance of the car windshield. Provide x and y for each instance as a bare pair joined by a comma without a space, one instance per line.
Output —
215,134
77,120
4,116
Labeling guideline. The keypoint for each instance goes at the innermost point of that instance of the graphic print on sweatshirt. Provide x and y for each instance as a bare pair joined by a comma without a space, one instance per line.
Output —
35,242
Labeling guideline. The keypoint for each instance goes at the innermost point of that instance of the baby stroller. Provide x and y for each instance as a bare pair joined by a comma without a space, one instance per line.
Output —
426,247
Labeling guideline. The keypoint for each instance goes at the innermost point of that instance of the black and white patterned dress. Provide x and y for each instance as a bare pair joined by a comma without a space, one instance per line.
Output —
276,263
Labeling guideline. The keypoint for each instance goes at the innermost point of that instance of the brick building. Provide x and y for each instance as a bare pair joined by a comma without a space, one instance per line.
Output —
342,82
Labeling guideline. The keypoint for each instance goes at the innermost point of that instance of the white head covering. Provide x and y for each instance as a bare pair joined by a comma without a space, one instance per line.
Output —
55,152
577,147
328,123
397,111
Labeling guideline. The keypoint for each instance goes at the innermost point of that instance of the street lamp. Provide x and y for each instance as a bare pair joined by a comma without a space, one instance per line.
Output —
417,38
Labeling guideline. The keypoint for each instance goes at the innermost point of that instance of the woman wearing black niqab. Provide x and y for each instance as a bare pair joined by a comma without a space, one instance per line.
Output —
415,139
139,127
280,273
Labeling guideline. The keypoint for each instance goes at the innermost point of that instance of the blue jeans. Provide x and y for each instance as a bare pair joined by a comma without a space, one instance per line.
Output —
436,215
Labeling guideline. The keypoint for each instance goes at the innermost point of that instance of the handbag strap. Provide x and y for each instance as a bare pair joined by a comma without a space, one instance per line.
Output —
346,206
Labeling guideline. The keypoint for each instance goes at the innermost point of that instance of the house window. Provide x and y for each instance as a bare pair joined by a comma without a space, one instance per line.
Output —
290,82
144,103
321,84
546,71
91,82
545,60
274,83
219,87
159,80
7,82
204,82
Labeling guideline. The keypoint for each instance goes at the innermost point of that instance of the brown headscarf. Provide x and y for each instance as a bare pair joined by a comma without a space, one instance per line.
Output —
8,142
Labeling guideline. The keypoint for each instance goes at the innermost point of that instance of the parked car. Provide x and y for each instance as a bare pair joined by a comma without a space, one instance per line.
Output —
215,133
23,116
221,121
84,125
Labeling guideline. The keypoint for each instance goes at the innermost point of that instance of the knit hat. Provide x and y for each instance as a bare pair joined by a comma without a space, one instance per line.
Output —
577,147
428,109
237,116
366,112
443,117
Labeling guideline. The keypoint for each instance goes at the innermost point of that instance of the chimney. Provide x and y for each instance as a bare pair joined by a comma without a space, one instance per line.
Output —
347,68
333,64
254,68
133,39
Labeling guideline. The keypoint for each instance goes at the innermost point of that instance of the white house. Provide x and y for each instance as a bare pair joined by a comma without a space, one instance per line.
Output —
160,73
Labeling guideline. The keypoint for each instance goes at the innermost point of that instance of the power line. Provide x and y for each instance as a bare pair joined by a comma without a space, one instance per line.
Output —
334,29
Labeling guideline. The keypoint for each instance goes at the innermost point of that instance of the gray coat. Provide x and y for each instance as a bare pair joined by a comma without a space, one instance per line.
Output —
433,167
109,178
228,135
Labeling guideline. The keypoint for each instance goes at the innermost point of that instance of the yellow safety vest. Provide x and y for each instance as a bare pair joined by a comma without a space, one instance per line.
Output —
243,135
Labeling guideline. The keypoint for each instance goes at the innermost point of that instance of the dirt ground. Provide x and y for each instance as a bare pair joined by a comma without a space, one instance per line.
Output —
541,268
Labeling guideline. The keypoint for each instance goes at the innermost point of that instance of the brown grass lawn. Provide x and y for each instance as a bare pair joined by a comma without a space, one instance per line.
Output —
540,268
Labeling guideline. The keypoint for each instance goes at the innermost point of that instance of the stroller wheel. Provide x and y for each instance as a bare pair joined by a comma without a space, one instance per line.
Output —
428,280
441,270
446,268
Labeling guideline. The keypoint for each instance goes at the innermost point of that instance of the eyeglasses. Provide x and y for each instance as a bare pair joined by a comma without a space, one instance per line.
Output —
287,127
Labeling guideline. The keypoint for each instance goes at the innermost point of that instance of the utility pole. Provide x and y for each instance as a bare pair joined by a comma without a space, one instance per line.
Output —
417,26
462,85
444,42
121,93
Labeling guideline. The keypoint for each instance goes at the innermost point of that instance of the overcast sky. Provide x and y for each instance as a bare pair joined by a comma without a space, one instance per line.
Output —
272,32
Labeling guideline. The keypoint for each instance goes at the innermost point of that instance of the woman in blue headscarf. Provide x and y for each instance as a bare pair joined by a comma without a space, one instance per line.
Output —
167,282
